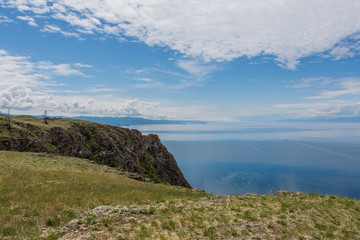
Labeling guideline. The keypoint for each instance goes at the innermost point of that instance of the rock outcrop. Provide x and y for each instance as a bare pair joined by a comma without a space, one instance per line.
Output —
117,147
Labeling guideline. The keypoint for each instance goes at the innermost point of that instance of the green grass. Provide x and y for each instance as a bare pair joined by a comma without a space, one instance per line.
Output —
52,122
43,191
307,216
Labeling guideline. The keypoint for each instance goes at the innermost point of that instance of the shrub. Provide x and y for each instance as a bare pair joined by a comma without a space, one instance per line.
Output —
53,221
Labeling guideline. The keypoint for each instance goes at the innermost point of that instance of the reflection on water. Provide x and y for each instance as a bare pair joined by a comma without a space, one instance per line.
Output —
238,159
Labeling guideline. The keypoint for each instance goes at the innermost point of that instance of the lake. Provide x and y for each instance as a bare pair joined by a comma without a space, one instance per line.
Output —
263,158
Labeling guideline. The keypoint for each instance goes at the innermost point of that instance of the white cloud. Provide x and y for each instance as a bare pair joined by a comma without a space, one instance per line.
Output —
315,110
216,30
196,68
331,88
340,52
21,71
30,20
346,49
310,82
332,98
28,87
55,29
51,28
197,73
5,19
101,89
193,76
60,69
185,84
18,97
23,82
83,65
88,23
148,83
26,101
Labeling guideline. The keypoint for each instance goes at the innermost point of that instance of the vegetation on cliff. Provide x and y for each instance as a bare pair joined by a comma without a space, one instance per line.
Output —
121,148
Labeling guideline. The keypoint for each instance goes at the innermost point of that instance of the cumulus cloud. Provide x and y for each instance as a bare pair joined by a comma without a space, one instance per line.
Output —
23,100
22,81
214,30
28,87
18,97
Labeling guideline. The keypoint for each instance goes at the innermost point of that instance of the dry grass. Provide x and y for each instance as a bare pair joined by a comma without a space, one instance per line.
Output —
39,191
285,216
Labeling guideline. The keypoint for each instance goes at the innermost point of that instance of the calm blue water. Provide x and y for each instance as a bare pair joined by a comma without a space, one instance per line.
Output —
237,159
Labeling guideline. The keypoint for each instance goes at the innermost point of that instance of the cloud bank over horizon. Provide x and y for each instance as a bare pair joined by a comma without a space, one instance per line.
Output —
29,87
287,31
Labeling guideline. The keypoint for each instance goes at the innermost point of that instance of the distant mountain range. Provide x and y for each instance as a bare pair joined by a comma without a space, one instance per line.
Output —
127,121
124,121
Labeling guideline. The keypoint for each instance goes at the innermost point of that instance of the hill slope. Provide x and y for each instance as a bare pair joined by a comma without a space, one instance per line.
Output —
281,216
72,198
114,146
39,192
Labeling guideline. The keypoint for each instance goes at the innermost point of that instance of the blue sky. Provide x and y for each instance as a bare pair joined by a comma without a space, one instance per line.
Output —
246,60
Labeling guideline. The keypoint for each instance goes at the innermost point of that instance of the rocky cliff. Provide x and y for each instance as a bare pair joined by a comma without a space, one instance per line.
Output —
117,147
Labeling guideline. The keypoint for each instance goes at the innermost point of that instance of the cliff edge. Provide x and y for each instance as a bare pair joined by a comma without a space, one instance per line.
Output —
118,147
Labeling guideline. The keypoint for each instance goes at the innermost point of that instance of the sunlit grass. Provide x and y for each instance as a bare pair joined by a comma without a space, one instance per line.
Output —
52,122
284,216
40,191
39,122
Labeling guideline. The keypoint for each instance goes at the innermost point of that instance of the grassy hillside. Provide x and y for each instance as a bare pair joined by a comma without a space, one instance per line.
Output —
58,122
281,216
40,191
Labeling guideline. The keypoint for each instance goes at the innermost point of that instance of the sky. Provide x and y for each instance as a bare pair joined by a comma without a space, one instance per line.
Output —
211,60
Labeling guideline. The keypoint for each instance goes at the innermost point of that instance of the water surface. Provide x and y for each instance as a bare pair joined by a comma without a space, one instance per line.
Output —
264,158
